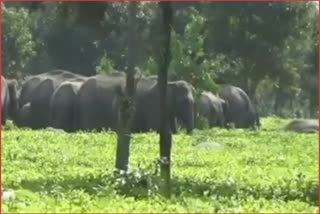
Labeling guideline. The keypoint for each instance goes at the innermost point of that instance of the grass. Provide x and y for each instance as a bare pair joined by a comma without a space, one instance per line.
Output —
262,171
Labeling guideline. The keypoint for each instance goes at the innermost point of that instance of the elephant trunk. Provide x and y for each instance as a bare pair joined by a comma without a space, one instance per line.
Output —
186,117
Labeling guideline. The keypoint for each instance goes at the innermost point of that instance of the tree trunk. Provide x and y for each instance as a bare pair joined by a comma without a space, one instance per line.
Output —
165,131
127,104
252,91
277,102
313,104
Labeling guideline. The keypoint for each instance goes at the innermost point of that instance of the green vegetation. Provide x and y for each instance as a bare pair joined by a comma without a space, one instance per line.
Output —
264,171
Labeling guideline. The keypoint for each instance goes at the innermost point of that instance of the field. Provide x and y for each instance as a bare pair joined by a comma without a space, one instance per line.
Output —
242,171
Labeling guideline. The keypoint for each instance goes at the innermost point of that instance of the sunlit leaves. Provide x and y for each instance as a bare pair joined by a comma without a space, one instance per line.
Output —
18,42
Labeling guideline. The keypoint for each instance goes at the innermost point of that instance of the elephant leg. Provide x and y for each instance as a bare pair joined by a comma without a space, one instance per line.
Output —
173,124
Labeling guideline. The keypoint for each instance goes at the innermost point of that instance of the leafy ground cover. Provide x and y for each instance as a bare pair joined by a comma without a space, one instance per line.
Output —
250,171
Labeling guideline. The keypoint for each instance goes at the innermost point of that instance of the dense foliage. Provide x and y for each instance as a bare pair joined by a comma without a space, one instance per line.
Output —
268,48
214,170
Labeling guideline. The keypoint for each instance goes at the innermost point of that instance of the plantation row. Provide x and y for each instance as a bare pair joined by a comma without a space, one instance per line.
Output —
213,170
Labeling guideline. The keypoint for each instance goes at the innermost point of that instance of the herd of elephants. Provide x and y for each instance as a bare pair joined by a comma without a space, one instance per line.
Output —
64,100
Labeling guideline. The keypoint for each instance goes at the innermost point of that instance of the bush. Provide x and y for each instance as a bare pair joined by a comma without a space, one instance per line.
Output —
18,44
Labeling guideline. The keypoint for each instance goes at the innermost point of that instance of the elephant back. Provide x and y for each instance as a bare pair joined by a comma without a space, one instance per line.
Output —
61,74
71,86
74,84
32,82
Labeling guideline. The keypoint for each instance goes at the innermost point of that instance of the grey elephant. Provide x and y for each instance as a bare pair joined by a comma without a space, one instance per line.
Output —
240,110
303,126
62,105
9,98
98,102
38,91
180,103
212,108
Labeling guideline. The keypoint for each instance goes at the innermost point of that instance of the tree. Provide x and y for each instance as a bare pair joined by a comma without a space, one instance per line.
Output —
18,42
246,30
164,62
126,112
309,80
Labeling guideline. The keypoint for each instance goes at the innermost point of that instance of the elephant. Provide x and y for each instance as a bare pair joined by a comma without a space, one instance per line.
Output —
97,104
180,104
38,91
212,108
240,110
62,105
303,126
9,98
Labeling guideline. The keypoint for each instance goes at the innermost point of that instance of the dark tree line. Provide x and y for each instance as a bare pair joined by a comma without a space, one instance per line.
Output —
267,48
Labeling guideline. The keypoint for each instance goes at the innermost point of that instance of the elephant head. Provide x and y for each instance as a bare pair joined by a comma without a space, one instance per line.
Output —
183,103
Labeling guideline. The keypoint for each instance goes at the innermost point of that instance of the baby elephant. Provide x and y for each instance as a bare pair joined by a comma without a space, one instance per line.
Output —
212,108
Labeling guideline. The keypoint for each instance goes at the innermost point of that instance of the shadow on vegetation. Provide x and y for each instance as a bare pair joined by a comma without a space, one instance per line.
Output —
308,192
142,185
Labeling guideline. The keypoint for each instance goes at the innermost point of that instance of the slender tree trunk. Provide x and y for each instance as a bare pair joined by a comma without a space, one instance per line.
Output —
277,102
127,101
252,92
165,131
313,105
